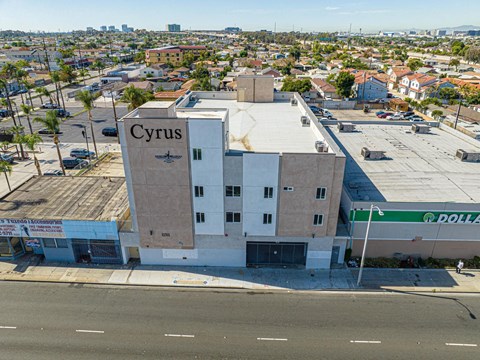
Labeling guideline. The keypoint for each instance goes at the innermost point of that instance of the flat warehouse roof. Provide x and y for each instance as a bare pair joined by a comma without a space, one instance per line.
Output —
417,167
263,127
67,198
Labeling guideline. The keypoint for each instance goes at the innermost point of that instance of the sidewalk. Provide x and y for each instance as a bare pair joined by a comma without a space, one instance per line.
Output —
403,280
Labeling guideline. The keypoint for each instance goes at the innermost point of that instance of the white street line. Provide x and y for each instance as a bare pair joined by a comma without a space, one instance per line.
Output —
8,327
271,339
454,344
366,341
91,331
180,335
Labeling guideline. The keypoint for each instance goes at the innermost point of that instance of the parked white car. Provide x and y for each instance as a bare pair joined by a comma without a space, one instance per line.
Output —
395,117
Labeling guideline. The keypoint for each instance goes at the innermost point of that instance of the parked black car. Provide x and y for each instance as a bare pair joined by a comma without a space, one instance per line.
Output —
109,131
74,163
5,113
48,132
62,113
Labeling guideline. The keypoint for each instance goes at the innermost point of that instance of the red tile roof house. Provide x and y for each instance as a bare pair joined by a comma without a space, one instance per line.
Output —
395,76
415,85
325,89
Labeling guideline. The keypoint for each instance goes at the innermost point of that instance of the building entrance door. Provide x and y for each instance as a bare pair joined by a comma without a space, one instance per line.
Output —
276,254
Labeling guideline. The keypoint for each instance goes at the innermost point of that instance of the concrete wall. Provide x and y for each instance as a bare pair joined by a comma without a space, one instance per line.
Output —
255,88
59,254
161,190
233,175
305,173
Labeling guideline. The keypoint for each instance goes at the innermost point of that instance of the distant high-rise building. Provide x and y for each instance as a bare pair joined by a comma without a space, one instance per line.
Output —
441,32
89,29
103,28
473,32
172,28
124,27
111,28
233,29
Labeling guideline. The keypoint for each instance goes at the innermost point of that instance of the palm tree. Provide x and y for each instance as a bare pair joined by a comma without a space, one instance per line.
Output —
55,76
87,99
135,97
52,123
29,86
6,167
27,110
39,91
7,102
83,73
31,141
18,132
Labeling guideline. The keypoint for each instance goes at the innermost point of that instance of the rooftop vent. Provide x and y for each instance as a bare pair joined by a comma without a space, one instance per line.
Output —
372,154
305,121
346,127
468,156
420,129
321,146
293,102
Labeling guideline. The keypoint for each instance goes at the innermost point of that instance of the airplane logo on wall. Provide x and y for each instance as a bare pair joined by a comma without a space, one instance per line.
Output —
168,158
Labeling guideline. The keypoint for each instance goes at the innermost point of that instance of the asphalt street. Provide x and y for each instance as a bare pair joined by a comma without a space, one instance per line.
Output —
71,129
55,321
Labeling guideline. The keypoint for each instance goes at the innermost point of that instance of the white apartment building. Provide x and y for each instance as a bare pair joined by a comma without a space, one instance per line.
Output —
246,178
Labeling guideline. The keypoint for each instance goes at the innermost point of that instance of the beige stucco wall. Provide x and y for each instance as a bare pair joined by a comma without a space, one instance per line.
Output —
255,89
162,191
307,172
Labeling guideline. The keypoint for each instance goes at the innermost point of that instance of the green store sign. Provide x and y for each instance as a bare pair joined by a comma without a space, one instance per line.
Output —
439,217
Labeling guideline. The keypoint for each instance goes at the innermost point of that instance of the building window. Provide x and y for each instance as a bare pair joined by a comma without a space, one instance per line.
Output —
321,193
55,243
197,154
198,191
288,188
232,191
233,217
268,192
267,218
318,220
200,217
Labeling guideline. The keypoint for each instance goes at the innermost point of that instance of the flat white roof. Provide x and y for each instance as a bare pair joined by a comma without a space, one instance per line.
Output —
264,127
417,168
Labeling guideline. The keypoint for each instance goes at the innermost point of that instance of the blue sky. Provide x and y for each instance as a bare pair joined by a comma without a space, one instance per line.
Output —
313,15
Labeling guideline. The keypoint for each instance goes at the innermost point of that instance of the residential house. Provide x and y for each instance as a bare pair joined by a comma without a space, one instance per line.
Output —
395,74
269,71
154,70
420,87
325,89
369,87
405,86
426,70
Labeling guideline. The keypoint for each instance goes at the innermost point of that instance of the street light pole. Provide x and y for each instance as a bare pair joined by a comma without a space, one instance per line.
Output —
380,212
84,131
115,115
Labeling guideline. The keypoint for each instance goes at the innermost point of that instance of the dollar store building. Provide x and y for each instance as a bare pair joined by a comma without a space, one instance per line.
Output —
424,178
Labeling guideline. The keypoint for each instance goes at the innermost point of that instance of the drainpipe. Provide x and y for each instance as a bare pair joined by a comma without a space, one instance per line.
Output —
352,228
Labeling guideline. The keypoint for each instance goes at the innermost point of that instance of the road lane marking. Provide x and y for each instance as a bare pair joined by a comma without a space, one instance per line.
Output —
91,331
8,327
454,344
365,341
271,339
180,335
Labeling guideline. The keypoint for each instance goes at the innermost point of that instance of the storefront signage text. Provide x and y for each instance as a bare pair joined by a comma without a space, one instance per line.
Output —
436,217
32,228
139,132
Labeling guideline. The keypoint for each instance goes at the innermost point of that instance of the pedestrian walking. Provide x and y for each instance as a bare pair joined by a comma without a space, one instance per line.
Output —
459,266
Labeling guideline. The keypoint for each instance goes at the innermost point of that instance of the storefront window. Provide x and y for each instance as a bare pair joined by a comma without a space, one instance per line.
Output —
49,243
4,247
16,245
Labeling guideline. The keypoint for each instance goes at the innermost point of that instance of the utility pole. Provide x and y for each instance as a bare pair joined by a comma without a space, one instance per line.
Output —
458,110
115,115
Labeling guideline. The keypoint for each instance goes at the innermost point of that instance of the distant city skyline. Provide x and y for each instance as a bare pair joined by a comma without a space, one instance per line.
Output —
301,15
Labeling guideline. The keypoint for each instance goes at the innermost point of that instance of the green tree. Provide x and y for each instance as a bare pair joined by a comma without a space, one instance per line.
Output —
139,57
455,63
55,76
67,74
27,111
52,123
83,73
447,93
18,132
87,99
293,85
436,114
7,102
6,168
473,54
414,64
135,97
243,53
344,83
31,141
295,53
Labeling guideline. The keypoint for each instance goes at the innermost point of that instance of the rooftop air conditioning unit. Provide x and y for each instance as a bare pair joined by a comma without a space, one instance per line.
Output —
293,102
346,127
321,146
372,154
420,129
467,156
193,98
305,120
